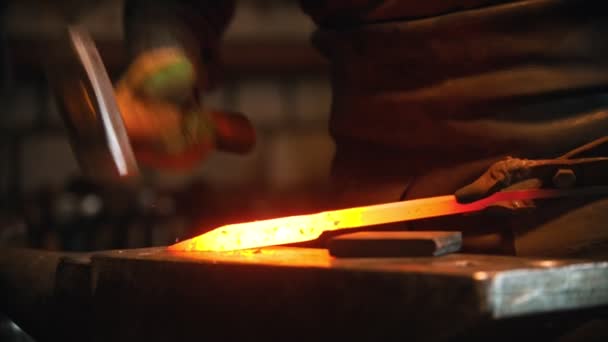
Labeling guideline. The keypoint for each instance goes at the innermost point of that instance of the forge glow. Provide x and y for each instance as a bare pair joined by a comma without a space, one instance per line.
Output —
293,229
278,231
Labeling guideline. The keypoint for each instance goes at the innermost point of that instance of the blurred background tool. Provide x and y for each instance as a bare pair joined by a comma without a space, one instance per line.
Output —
89,109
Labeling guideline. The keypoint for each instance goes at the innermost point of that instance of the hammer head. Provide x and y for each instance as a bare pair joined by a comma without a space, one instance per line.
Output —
87,103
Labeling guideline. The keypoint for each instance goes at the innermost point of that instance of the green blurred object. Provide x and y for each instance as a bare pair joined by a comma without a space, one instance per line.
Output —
173,82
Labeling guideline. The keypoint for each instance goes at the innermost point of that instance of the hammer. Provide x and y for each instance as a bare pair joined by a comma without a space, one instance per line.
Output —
97,133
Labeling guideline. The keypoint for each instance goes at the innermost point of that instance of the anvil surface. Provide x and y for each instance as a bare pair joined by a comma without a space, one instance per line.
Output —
302,293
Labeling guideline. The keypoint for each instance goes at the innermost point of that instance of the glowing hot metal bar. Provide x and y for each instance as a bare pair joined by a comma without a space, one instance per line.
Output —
302,228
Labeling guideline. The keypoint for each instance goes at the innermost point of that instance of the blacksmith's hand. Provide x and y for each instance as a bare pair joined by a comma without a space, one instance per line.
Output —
161,104
583,166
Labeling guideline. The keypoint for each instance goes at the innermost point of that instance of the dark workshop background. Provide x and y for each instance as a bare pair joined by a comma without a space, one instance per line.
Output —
273,75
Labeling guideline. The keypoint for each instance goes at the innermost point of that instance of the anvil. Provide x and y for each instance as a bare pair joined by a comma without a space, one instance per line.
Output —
293,293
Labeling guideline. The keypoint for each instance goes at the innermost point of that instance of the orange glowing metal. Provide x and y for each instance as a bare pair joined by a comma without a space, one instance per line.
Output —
302,228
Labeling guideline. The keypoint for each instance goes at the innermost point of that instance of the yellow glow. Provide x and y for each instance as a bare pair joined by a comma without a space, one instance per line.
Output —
302,228
271,232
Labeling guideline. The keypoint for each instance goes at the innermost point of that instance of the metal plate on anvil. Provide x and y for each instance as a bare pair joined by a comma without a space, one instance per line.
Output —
275,292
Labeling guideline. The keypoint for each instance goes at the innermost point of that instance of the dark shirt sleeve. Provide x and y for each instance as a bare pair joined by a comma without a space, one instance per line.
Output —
348,13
